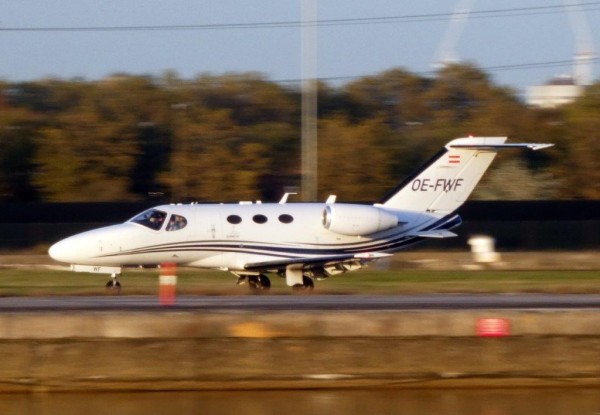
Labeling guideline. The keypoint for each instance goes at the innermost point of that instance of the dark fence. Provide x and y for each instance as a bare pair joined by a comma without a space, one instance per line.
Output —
516,225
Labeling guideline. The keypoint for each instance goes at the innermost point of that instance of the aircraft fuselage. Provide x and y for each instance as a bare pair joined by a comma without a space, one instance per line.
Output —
229,236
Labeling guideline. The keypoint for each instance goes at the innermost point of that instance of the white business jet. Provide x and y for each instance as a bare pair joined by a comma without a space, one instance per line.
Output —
298,241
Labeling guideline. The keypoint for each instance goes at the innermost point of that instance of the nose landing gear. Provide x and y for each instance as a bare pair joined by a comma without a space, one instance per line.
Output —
113,285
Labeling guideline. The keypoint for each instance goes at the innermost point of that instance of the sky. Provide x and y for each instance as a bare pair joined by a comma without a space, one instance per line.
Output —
537,35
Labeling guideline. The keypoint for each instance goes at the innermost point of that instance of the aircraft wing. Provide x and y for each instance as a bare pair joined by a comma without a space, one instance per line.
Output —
436,233
313,262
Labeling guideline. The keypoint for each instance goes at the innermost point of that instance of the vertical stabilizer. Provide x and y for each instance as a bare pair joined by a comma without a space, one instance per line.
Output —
447,180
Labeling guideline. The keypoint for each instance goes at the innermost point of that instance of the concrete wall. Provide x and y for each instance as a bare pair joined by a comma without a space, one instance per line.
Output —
195,350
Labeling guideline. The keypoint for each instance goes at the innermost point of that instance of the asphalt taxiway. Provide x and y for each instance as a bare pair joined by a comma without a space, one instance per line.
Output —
305,302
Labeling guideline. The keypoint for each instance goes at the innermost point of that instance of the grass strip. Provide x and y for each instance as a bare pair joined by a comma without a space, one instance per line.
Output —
42,282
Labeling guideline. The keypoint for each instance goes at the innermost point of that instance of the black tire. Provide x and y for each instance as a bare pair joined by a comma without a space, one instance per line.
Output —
259,282
113,286
307,284
253,282
264,281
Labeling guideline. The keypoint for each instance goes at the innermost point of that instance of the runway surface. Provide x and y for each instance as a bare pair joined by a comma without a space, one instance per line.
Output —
303,302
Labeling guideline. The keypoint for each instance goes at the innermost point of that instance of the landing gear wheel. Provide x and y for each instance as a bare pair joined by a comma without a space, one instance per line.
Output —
113,286
264,281
307,284
259,282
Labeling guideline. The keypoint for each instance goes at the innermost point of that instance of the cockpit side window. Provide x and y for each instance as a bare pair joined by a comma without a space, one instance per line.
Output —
176,222
152,219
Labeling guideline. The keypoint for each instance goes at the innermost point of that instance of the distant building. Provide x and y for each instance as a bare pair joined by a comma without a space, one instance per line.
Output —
559,91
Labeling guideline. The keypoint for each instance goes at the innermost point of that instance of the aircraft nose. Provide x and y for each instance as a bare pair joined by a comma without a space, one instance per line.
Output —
75,249
88,247
61,251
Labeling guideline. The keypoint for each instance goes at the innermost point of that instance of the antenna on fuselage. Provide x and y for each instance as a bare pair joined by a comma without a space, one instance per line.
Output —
285,196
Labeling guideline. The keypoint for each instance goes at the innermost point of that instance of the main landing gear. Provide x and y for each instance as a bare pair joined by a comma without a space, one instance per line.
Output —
308,284
255,282
113,285
260,282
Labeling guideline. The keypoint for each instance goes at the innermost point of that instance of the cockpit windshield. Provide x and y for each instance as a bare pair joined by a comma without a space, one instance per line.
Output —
176,222
152,219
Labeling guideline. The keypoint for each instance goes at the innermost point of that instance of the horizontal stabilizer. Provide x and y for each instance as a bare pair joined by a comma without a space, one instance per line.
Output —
530,146
441,233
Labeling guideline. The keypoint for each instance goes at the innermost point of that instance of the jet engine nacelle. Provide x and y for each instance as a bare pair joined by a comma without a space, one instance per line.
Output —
357,220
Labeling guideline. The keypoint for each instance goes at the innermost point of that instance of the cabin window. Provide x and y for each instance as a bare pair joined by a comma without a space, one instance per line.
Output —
176,222
234,219
259,218
152,219
285,218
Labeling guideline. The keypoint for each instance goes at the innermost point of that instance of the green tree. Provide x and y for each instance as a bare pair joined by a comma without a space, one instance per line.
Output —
249,97
17,147
237,136
580,157
354,161
203,155
396,93
85,159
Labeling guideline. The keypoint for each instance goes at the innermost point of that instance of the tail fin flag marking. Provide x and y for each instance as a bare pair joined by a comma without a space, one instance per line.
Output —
454,159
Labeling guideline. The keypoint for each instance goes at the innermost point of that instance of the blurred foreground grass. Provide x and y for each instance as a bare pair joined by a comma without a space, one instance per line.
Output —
38,282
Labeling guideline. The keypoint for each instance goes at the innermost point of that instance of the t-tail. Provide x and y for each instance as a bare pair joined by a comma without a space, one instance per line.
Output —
445,182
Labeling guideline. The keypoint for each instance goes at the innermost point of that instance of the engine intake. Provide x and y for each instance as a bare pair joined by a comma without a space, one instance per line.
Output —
357,220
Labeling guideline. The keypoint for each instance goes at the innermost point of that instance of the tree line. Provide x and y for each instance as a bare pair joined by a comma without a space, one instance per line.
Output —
237,137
